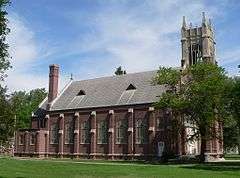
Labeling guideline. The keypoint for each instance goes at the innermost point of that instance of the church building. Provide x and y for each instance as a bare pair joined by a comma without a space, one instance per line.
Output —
114,117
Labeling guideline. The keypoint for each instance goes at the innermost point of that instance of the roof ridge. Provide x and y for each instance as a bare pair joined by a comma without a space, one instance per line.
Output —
115,76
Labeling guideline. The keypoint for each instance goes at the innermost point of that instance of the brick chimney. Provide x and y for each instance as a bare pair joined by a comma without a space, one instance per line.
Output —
53,82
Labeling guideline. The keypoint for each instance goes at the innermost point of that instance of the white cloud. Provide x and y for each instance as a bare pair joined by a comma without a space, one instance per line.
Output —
26,55
24,52
138,37
143,36
22,44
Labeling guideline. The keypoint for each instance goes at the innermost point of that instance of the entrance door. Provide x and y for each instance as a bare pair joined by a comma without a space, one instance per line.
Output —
160,148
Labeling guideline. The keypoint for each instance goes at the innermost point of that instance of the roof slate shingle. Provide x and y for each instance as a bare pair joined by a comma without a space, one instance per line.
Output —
109,91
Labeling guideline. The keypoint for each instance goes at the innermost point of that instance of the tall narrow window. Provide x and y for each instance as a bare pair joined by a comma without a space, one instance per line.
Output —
54,133
141,131
121,131
160,122
102,132
21,139
32,138
69,132
85,132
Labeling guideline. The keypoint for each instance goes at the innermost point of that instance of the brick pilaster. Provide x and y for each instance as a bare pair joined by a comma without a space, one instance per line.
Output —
16,142
40,142
37,145
93,134
47,134
76,134
151,130
61,134
26,140
131,131
111,138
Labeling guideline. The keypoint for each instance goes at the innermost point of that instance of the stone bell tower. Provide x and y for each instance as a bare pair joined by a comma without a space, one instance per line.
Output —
197,43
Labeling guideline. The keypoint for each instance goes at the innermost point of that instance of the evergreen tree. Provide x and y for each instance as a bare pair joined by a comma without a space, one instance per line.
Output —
119,71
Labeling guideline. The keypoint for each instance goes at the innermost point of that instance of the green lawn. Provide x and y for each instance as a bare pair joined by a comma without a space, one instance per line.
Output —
232,157
47,168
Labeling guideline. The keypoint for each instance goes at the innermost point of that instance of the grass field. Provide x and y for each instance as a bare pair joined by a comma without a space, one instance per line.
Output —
59,168
232,157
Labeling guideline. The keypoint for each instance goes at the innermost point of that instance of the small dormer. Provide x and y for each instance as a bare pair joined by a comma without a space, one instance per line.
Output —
131,87
81,93
127,94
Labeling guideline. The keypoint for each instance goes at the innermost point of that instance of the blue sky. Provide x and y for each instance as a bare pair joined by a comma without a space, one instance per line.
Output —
90,38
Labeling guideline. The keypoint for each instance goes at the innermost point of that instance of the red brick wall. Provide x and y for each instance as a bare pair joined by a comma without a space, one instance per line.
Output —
34,123
132,114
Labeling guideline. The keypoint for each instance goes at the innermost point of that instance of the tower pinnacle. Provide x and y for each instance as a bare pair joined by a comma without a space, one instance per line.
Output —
184,25
203,18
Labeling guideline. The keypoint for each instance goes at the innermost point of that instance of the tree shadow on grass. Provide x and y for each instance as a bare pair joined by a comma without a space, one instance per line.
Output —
218,166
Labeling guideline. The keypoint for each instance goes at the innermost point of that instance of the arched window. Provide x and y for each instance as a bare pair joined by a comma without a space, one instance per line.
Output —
54,133
141,131
69,132
21,139
102,132
85,132
121,131
32,138
195,53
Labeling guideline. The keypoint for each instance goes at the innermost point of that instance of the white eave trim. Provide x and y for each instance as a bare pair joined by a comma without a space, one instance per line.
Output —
45,99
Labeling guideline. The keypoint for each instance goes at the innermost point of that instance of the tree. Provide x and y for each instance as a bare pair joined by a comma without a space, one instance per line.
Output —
235,109
23,104
198,96
230,134
4,30
119,71
231,128
6,118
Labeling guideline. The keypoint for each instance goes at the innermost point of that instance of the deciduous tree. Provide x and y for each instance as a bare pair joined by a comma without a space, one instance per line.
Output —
198,96
235,109
6,119
4,30
24,103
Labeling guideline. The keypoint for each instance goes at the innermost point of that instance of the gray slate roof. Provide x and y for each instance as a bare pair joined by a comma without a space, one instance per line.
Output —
109,91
